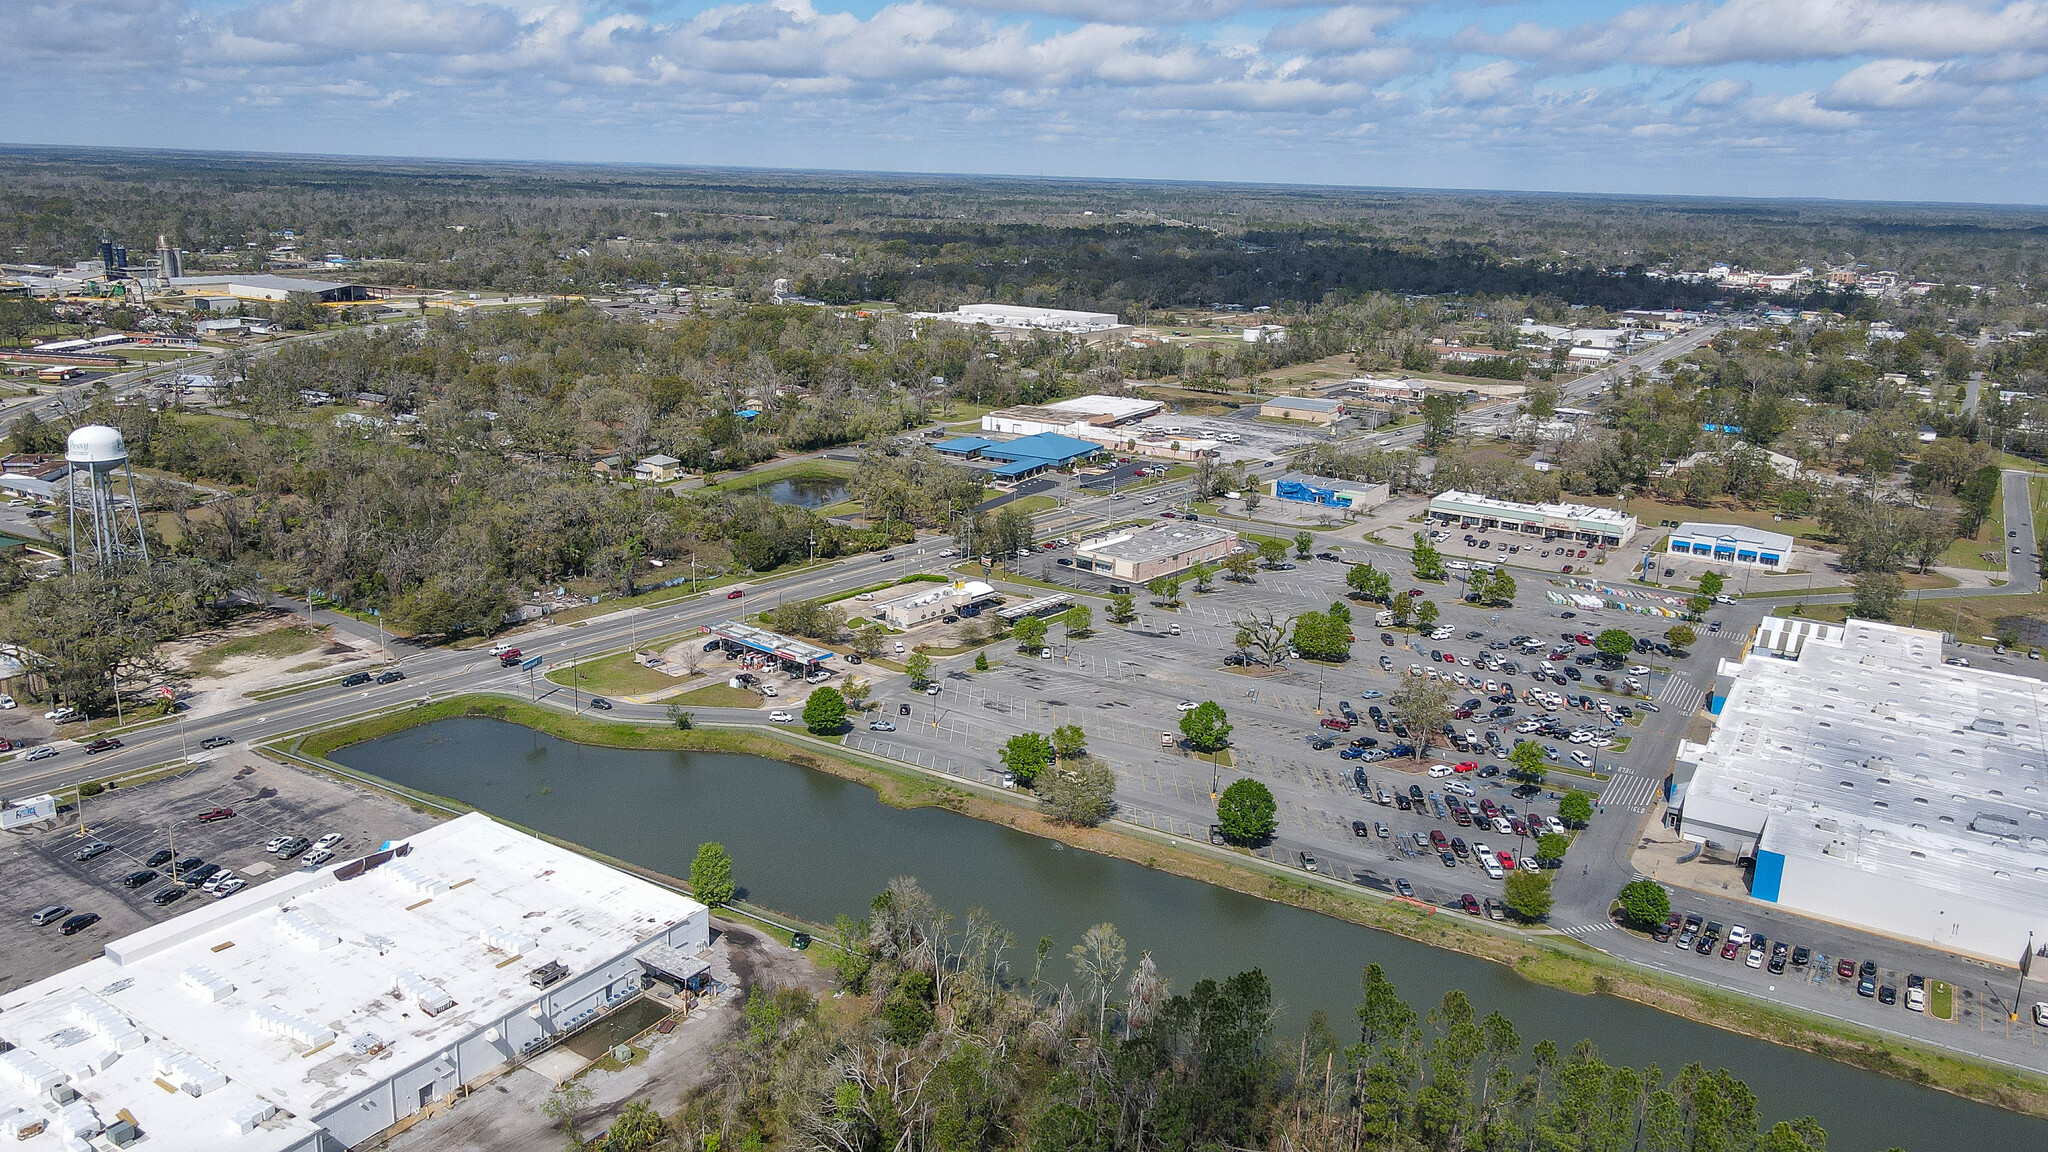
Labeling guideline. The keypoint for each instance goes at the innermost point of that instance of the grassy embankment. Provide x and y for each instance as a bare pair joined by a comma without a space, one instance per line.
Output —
1554,960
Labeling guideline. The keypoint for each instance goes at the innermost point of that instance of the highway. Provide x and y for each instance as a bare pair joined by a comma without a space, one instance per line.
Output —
433,673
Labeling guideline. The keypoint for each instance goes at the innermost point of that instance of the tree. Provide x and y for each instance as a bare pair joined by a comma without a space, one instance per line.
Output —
1527,762
1206,726
1495,588
1246,812
870,641
639,1128
1026,755
1240,565
1614,642
1527,895
1123,608
919,668
1202,573
1439,419
825,711
1029,633
566,1101
1423,705
1877,594
1079,621
1259,630
1644,903
1426,614
1711,584
1697,606
1368,582
1164,589
1576,809
1680,636
1304,545
711,875
1427,561
981,661
1067,741
1551,847
1320,636
1272,552
681,718
1079,790
1976,497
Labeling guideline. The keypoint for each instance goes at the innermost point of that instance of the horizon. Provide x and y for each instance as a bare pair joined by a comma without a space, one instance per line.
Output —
17,147
1875,101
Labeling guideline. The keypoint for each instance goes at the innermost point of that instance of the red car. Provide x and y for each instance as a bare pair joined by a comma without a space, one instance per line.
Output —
1507,860
1845,969
1582,638
1415,591
1469,903
1337,722
216,814
1567,569
734,594
1729,950
1466,766
1438,840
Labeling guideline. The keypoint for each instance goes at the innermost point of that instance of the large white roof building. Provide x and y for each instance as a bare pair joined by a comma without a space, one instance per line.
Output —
1585,522
1877,786
313,1012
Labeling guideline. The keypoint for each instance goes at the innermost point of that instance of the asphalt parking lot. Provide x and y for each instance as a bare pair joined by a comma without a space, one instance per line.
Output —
1122,685
268,800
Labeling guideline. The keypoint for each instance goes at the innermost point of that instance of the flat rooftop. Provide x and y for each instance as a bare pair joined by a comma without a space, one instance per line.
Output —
1733,533
261,280
1867,748
1476,502
1154,543
320,957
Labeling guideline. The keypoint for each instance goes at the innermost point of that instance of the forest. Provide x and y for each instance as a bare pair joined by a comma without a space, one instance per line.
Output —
952,1036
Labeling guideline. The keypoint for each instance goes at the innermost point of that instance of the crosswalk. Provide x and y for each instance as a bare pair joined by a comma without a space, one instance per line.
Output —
1627,790
1584,930
1680,695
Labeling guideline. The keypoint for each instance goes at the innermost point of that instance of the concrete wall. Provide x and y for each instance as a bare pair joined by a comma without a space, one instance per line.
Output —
1895,907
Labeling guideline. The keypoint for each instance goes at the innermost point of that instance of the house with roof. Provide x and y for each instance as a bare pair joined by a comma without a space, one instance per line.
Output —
1022,458
658,469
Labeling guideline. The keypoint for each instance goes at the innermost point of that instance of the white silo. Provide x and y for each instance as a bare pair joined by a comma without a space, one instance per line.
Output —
95,453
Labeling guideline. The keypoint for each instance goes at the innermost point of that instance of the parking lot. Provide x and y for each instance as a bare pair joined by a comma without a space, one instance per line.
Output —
1122,687
267,800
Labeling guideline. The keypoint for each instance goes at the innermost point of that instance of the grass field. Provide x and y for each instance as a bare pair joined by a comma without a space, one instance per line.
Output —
1037,503
614,675
1649,512
720,696
265,645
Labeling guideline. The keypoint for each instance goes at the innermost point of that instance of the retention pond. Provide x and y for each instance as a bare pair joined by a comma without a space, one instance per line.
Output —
817,846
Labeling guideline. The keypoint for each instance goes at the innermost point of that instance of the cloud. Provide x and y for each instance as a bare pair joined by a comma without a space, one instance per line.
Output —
1345,29
1894,84
1798,110
1720,93
1484,84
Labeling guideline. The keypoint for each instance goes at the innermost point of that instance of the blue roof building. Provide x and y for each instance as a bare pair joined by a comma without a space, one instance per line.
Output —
1031,455
965,446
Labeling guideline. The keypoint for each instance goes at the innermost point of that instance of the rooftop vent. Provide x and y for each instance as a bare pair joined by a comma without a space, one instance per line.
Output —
431,997
278,1022
188,1072
304,931
205,983
245,1119
414,880
500,939
102,1020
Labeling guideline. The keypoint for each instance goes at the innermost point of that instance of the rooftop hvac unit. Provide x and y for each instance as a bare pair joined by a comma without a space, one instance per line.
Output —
191,1074
104,1021
507,941
20,1124
205,983
245,1119
431,997
305,932
278,1022
415,881
30,1070
78,1121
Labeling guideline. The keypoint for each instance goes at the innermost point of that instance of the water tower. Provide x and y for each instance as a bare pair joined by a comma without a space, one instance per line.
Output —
96,452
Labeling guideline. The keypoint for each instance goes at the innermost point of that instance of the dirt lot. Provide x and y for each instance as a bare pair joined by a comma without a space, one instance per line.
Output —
268,801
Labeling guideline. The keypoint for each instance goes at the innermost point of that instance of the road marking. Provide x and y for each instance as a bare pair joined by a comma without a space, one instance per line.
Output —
1584,930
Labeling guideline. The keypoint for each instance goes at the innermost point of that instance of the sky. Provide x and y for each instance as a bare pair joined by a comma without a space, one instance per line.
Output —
1934,100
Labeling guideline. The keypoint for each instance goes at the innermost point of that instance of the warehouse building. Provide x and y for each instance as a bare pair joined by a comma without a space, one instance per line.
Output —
1732,544
315,1011
1873,785
272,289
1311,409
1014,320
1581,522
922,603
1077,417
1356,495
1142,554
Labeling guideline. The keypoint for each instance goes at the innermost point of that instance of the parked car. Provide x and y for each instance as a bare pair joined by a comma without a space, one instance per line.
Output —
92,850
158,858
215,815
47,913
317,857
138,878
80,923
167,896
230,887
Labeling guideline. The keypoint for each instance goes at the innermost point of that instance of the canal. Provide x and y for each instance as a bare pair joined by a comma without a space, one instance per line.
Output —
817,846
